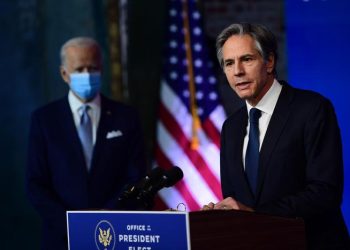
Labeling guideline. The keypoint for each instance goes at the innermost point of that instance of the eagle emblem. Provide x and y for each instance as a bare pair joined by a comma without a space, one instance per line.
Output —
105,237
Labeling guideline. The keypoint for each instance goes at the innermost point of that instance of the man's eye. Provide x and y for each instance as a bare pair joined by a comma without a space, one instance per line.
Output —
93,69
228,64
247,59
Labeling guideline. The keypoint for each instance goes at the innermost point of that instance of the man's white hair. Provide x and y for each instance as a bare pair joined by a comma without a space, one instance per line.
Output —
78,42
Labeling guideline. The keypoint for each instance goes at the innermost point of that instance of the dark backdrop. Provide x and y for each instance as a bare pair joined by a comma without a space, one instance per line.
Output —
31,33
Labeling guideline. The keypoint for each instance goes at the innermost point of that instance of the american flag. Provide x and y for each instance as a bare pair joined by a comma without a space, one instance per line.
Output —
190,113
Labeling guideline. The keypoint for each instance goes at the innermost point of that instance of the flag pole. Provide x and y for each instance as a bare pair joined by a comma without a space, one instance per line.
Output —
193,106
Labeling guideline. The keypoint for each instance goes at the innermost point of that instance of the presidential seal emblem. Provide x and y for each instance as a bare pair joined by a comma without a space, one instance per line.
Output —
105,236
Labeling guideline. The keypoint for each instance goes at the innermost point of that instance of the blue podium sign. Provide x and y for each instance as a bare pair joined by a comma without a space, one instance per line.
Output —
131,230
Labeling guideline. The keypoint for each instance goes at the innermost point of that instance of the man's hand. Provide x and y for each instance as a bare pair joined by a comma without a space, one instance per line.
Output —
210,206
227,204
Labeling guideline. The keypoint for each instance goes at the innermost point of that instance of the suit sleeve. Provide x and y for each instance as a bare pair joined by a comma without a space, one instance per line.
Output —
225,182
323,178
38,180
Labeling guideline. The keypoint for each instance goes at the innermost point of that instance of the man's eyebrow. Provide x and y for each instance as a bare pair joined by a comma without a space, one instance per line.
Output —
247,55
240,57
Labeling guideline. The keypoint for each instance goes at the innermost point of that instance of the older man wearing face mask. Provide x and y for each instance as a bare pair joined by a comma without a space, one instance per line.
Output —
83,148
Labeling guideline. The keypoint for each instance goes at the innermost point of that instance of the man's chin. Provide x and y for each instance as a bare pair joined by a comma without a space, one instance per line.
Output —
245,94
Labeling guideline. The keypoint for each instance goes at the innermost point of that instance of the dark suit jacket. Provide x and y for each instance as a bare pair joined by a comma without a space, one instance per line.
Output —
57,178
300,165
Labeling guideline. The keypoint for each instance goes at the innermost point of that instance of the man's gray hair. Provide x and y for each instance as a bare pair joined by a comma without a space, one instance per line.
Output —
78,42
265,40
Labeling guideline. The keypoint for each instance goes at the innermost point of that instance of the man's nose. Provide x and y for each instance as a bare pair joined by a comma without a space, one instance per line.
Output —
89,69
238,69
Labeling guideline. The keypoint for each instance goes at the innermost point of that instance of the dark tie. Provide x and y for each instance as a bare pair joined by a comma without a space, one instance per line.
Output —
85,134
252,154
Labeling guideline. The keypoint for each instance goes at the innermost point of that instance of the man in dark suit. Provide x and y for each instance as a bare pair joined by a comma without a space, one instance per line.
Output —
83,148
281,153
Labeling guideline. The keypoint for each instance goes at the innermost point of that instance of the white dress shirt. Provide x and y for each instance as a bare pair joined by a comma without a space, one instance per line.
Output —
266,105
94,111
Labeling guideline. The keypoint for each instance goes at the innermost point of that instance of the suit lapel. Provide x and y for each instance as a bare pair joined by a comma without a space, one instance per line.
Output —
103,126
69,132
274,130
239,129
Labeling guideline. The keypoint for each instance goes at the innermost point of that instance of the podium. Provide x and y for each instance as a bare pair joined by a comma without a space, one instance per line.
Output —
201,230
218,229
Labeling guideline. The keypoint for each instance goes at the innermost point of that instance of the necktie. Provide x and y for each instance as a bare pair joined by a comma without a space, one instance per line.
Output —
85,134
252,154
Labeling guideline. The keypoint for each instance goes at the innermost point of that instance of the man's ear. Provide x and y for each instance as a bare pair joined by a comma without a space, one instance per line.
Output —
64,74
270,64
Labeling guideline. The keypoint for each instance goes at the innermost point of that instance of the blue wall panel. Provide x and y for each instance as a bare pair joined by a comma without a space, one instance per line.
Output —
318,50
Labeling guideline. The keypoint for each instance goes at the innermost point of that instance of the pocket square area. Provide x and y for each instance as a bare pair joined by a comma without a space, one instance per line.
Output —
113,134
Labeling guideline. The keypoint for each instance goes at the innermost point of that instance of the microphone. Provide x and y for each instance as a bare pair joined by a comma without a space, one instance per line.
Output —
131,191
168,179
141,195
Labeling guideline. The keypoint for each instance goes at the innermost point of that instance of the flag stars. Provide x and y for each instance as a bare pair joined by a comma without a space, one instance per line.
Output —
173,75
173,44
173,28
199,95
172,12
184,62
198,79
213,96
212,80
197,47
196,15
200,111
197,31
173,60
186,93
198,63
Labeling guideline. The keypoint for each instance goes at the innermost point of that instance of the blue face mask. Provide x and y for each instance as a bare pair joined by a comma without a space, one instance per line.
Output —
85,85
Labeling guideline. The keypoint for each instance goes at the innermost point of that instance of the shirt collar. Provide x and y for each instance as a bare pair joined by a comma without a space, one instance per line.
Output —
268,102
75,103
